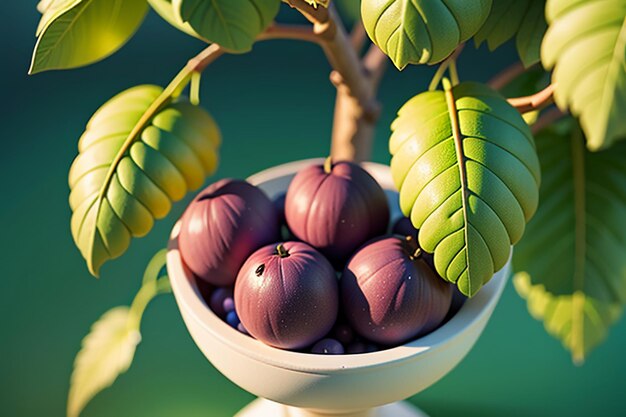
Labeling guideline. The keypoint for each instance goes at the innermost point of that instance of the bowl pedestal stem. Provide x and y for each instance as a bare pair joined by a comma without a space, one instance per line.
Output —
265,408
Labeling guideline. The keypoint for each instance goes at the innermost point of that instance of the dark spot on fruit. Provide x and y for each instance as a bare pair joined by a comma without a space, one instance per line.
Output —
260,270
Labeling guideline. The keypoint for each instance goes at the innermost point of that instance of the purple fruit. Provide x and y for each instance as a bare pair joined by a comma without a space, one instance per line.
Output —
336,207
232,319
287,295
404,227
328,347
242,328
222,226
229,304
390,294
216,301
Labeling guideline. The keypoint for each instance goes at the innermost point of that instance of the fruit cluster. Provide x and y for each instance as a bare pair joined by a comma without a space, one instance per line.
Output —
314,270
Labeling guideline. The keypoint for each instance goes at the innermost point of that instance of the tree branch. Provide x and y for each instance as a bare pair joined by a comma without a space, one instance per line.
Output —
535,101
204,58
275,31
356,108
296,32
356,80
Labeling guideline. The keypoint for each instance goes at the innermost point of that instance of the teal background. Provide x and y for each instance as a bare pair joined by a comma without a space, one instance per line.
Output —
274,105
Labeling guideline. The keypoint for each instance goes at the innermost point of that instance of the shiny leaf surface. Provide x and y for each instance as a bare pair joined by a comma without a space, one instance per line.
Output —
465,163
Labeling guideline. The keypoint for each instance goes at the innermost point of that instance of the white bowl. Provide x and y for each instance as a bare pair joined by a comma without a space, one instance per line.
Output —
347,385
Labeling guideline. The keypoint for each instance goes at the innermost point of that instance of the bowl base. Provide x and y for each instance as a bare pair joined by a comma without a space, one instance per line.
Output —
265,408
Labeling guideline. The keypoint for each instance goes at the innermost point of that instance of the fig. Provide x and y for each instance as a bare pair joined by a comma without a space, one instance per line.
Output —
336,207
287,295
222,226
390,294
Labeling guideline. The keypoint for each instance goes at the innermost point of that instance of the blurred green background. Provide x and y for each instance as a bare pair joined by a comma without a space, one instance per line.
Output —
274,105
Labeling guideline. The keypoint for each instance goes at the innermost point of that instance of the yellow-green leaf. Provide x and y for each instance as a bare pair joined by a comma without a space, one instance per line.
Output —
579,321
135,158
165,9
76,33
570,265
422,31
233,24
522,19
466,166
107,351
586,46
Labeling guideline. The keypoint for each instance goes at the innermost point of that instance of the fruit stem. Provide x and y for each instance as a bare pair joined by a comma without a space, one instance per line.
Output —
281,251
328,165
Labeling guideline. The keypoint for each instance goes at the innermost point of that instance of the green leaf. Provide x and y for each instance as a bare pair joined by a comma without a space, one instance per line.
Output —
76,33
422,31
139,153
165,9
586,46
570,264
233,24
531,32
49,10
579,321
522,19
465,163
107,351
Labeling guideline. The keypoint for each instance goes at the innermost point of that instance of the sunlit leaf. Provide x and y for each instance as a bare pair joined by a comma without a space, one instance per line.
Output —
586,46
522,19
570,264
79,32
233,24
165,9
134,160
422,31
465,163
107,351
